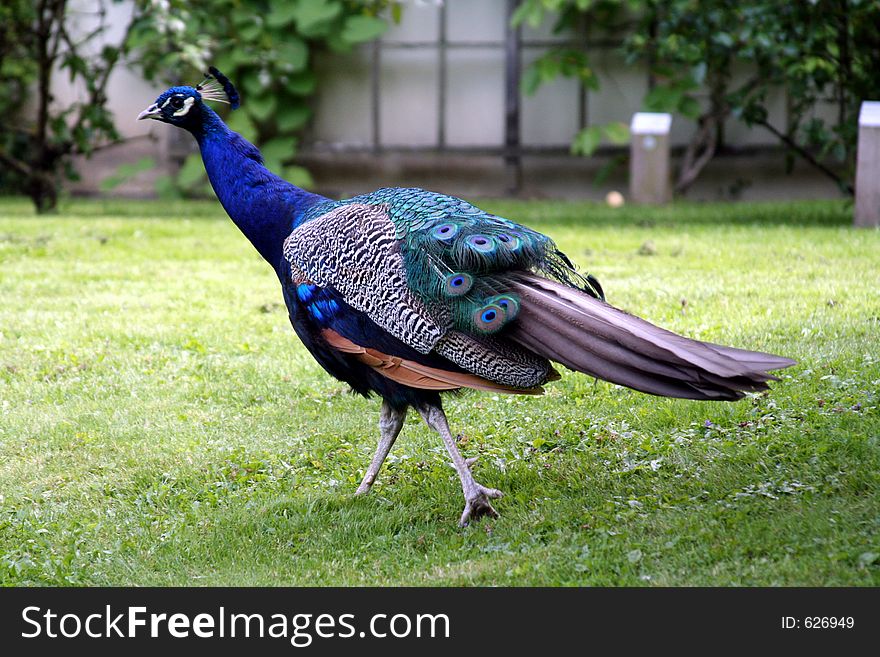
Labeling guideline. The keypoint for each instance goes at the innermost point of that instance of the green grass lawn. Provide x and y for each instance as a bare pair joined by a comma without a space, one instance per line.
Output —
161,424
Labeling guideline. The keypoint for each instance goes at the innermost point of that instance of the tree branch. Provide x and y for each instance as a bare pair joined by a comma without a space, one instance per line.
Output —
699,152
13,163
702,146
808,156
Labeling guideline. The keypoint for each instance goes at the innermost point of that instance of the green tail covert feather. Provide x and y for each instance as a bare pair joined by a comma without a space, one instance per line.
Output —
450,247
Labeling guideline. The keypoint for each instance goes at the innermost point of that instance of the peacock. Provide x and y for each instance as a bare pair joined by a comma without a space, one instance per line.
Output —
408,293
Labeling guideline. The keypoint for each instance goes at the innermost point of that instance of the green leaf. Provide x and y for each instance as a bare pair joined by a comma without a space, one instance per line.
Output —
616,133
277,150
242,16
250,31
531,80
110,54
281,13
262,106
550,67
358,29
292,117
75,64
302,84
250,82
337,44
225,61
313,16
591,82
587,141
567,62
292,54
530,11
663,99
689,107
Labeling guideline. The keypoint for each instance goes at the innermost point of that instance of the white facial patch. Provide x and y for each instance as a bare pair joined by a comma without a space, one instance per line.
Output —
187,103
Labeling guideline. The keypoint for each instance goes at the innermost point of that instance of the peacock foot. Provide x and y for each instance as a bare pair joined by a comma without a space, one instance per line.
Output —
477,504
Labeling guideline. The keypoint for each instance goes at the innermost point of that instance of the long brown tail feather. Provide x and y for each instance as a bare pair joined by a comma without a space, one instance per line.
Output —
590,336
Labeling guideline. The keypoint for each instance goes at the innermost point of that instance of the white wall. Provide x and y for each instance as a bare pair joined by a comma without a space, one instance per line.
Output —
475,88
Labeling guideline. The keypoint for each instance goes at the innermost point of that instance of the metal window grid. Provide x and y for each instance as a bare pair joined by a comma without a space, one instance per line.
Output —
513,46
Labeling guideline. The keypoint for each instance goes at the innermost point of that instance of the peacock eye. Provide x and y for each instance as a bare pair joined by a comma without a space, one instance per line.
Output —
176,102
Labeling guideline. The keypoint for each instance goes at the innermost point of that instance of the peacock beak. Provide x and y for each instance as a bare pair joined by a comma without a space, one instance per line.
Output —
151,112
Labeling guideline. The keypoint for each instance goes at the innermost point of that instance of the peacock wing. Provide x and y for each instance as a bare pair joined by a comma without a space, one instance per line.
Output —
352,249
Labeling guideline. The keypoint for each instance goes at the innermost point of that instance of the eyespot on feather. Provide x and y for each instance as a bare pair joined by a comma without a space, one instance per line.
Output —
508,304
445,231
510,242
489,318
457,284
481,243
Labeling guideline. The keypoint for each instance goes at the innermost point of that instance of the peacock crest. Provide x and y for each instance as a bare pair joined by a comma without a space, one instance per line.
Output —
219,88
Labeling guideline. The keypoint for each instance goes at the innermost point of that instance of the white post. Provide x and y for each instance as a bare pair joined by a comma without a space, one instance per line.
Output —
868,166
649,169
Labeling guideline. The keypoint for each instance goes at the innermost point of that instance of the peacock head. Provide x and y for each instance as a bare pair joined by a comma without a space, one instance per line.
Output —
184,106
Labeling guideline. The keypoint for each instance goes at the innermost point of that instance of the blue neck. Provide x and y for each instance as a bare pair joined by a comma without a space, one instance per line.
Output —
263,206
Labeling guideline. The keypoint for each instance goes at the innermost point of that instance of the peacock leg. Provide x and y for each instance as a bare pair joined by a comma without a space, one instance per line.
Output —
390,424
476,496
